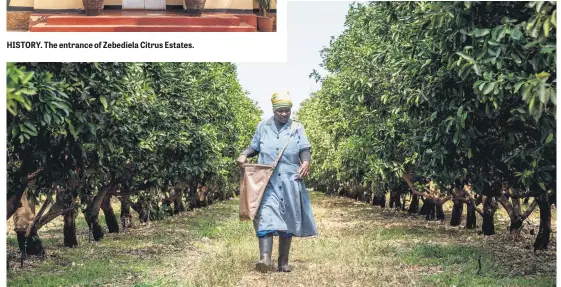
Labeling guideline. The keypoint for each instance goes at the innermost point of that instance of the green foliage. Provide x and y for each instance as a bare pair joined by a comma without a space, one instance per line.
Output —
264,6
453,90
18,88
133,124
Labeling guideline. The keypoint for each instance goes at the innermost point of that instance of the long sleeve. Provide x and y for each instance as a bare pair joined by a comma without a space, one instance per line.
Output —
253,148
250,152
306,155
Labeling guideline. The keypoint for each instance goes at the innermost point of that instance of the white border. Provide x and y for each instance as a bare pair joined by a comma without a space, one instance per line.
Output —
208,46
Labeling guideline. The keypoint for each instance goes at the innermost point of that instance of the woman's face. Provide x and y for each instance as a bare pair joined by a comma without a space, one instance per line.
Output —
282,115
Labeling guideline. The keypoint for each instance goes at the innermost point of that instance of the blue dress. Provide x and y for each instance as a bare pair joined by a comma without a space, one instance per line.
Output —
285,208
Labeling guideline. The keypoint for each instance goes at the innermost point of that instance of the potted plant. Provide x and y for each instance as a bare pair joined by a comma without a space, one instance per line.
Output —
93,7
264,22
194,7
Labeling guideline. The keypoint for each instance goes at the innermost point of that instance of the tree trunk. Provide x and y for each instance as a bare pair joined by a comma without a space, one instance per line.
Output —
379,200
93,221
125,212
544,233
516,217
431,215
142,212
92,217
169,198
425,207
23,217
69,228
178,205
348,192
154,212
13,202
432,212
341,191
488,223
28,239
515,225
552,199
93,208
430,209
514,212
488,226
439,210
31,245
515,205
352,193
414,206
192,196
110,217
366,195
143,215
97,230
457,211
395,201
203,196
139,207
471,218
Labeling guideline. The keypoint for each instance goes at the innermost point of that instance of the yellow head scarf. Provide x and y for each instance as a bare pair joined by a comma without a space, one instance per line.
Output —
281,100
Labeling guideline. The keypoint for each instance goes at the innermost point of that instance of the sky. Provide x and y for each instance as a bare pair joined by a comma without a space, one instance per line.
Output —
310,27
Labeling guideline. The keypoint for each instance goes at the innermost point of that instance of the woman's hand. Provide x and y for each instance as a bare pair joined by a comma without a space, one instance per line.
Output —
241,160
304,170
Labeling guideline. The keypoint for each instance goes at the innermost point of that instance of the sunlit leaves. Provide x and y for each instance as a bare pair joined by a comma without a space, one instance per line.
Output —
165,122
18,88
474,99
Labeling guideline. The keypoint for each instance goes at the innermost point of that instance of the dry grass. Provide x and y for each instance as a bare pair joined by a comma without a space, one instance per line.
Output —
358,245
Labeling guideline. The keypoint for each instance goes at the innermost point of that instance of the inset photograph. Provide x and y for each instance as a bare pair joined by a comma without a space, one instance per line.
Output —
142,16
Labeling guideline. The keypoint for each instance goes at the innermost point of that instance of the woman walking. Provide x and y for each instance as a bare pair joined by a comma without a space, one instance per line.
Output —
285,208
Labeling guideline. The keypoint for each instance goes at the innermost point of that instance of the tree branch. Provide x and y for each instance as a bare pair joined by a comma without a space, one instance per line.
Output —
507,206
31,176
524,195
13,203
413,190
530,209
479,211
37,217
100,196
461,199
134,190
55,211
445,199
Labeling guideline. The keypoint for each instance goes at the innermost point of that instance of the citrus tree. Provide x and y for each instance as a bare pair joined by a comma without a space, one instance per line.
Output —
459,94
82,133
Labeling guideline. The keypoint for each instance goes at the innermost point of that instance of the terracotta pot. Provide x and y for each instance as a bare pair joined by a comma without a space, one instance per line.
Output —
194,7
93,7
264,24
